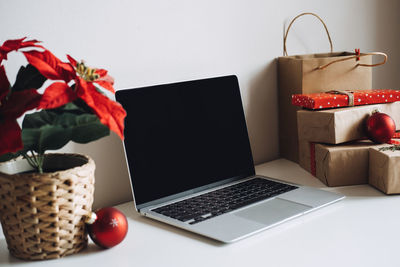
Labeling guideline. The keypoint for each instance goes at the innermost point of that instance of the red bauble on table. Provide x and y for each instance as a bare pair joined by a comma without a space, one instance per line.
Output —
109,228
380,127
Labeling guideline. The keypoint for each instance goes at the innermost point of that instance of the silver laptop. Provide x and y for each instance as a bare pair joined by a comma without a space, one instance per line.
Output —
190,162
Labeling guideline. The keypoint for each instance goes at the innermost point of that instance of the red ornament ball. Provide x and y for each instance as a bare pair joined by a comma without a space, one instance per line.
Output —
380,127
109,228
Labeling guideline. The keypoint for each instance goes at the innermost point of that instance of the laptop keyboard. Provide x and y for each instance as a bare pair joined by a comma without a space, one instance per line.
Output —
208,205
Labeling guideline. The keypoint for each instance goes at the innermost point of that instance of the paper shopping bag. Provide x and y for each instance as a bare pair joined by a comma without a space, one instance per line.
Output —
314,73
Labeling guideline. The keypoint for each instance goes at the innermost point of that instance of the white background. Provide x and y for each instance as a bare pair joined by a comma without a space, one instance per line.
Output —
151,42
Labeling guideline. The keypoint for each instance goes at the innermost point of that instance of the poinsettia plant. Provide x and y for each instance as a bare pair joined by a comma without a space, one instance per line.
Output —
73,107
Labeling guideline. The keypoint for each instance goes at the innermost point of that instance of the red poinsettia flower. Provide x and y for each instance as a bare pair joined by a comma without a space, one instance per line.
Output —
13,106
60,93
50,66
4,84
109,112
13,45
102,78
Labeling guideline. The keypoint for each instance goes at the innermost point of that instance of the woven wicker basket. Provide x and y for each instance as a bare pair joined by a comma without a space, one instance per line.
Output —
42,215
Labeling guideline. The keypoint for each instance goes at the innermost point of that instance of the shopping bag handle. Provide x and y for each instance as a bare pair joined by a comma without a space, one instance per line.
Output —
358,56
290,25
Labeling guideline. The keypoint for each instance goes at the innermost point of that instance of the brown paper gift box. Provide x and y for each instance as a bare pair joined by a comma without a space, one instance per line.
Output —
338,165
335,126
305,155
384,170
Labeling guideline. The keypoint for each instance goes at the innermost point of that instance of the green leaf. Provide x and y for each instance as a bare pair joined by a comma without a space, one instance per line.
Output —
28,78
47,137
86,127
82,106
38,119
71,107
52,129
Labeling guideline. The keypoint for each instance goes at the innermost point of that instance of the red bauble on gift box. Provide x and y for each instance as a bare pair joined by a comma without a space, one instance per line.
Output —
109,228
380,127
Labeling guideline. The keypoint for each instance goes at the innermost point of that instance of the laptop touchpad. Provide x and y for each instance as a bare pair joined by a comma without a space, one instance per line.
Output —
272,211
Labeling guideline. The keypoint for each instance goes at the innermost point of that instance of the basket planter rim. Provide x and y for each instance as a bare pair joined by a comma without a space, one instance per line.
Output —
86,160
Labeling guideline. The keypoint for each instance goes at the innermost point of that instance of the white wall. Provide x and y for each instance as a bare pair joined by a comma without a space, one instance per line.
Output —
151,42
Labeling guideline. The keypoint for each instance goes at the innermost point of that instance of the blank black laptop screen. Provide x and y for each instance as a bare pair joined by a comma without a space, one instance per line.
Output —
184,135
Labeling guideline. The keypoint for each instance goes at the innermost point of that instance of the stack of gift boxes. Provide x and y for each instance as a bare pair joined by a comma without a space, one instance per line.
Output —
332,138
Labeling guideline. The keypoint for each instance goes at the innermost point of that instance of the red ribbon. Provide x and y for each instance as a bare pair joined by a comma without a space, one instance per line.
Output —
312,157
357,51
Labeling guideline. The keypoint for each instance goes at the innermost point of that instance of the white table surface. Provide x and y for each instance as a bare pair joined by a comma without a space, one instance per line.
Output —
361,230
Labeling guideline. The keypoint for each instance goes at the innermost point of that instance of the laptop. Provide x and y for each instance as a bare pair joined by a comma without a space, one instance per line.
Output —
191,166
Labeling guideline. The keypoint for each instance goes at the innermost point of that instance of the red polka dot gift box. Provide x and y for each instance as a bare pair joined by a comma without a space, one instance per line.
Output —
346,98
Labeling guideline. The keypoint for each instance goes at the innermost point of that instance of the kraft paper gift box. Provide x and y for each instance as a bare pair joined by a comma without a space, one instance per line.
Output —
335,126
305,155
337,165
384,170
